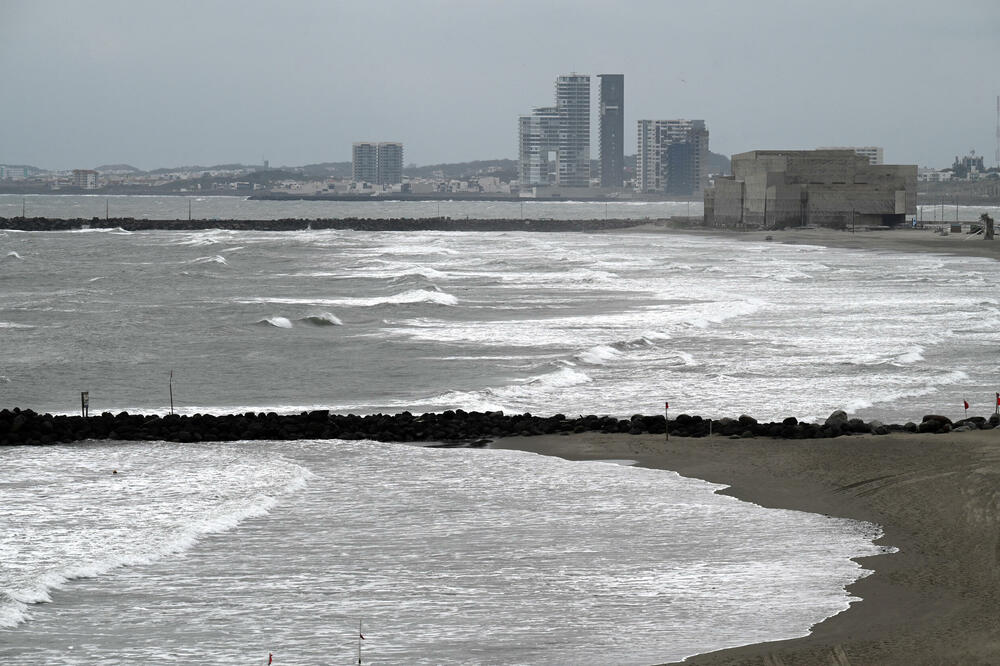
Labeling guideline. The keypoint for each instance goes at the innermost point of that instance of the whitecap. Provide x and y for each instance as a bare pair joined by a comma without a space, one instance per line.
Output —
599,355
561,378
14,255
323,319
277,322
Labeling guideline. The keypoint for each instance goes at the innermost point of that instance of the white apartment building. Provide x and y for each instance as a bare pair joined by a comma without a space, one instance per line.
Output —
873,153
672,157
379,163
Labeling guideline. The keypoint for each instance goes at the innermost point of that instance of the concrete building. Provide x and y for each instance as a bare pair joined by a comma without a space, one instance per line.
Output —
612,129
573,106
554,141
389,169
85,179
830,188
873,153
377,163
364,162
538,147
672,157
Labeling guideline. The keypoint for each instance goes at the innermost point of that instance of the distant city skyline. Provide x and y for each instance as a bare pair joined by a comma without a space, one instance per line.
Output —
161,85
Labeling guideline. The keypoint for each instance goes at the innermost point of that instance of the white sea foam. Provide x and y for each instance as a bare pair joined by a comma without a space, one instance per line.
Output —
412,296
561,378
911,355
217,259
13,255
161,502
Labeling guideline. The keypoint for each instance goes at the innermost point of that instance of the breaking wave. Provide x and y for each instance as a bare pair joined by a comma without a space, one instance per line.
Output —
277,322
323,319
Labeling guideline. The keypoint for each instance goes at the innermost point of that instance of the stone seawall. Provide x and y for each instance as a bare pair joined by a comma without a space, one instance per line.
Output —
449,428
356,224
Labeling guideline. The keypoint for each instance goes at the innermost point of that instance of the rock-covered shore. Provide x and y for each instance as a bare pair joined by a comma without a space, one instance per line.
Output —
449,428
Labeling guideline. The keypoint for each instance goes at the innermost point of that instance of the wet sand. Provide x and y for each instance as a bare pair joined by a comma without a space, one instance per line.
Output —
937,497
896,240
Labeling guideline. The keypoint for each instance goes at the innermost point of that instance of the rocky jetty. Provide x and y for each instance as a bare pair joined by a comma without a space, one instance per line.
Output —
449,428
297,224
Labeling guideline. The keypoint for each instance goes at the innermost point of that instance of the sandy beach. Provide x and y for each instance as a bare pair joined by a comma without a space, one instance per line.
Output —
896,240
937,498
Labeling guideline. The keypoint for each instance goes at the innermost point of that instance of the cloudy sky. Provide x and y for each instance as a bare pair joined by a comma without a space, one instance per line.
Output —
177,83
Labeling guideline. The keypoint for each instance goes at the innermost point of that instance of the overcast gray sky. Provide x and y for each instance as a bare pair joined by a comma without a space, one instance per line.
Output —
176,82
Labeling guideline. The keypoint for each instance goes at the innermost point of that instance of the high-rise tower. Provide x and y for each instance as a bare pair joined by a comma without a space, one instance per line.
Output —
573,107
672,157
612,129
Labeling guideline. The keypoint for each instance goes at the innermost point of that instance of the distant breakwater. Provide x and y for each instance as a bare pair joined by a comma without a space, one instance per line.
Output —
296,224
449,428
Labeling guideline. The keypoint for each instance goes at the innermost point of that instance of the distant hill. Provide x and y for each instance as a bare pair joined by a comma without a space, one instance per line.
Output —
505,169
324,170
117,168
718,163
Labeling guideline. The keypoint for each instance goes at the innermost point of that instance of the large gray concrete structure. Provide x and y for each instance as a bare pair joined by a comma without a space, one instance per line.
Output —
612,129
830,188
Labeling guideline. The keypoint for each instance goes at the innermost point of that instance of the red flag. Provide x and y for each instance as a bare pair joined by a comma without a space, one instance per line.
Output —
269,658
998,399
666,405
966,403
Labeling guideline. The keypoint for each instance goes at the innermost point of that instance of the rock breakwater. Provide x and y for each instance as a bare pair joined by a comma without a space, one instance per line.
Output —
449,428
298,224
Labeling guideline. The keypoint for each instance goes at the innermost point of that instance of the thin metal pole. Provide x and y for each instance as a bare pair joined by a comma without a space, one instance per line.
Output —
666,421
360,638
107,207
22,207
189,210
171,385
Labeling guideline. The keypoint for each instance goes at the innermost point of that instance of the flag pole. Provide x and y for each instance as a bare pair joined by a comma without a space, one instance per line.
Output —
360,636
666,421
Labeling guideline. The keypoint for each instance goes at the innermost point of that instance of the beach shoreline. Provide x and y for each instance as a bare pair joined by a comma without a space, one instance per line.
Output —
924,240
936,497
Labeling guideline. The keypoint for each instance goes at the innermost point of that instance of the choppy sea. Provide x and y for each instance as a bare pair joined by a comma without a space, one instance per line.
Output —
223,553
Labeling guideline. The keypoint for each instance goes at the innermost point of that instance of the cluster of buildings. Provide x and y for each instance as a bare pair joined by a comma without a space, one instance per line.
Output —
554,145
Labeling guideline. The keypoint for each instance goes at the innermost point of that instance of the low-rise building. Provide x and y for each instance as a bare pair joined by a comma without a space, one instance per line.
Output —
85,179
830,188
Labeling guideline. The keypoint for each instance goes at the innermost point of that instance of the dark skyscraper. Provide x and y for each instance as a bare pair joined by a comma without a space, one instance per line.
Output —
612,129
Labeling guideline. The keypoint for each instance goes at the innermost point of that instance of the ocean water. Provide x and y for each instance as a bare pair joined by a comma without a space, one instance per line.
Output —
222,553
